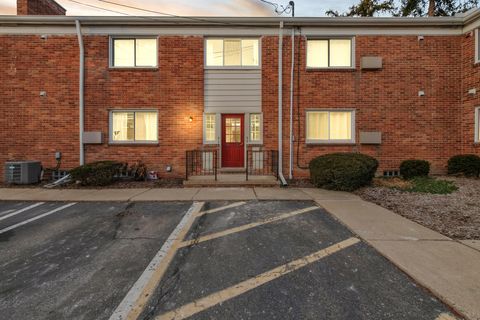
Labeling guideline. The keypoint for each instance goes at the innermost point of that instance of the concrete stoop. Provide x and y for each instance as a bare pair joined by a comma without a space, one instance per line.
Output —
231,180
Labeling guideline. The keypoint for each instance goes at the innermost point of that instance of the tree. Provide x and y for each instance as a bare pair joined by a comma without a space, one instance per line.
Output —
408,8
366,8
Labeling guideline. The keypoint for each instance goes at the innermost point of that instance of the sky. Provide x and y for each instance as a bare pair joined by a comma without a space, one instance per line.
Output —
192,7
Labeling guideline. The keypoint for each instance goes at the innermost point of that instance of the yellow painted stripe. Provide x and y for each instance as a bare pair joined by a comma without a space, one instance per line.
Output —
246,227
232,205
226,294
445,316
161,268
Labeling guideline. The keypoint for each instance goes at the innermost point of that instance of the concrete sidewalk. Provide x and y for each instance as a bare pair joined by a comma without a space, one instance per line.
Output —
173,194
448,268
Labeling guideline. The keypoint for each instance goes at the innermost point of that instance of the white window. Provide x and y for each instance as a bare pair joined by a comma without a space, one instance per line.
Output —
232,53
133,126
255,128
477,45
331,126
477,125
133,52
210,128
330,53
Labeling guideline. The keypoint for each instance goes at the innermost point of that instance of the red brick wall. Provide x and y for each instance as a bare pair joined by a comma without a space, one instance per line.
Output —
470,80
175,89
39,7
385,100
34,126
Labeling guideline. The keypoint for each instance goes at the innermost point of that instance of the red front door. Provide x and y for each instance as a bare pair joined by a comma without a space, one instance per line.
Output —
232,140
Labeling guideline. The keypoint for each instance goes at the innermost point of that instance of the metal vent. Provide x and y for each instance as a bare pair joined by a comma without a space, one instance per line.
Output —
14,173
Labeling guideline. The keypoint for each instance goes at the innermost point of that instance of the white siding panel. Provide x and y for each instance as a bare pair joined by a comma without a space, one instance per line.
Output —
233,90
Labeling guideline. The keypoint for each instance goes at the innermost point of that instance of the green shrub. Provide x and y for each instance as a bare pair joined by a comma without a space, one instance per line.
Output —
99,173
467,164
414,168
343,171
431,185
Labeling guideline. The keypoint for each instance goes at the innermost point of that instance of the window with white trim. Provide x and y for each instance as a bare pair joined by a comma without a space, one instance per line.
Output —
133,52
133,126
330,126
330,53
210,128
477,45
232,52
255,128
477,125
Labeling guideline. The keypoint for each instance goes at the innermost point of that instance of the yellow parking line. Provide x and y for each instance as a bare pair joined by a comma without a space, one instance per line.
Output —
245,227
445,316
232,205
134,302
247,285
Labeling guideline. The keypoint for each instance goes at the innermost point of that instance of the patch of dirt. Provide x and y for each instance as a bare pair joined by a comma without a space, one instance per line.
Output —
300,183
455,215
392,183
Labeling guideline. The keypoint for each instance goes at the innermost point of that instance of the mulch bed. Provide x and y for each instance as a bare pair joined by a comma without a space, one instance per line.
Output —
455,215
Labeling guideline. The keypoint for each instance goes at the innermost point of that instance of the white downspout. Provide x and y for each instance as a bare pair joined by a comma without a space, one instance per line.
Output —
81,89
290,148
280,110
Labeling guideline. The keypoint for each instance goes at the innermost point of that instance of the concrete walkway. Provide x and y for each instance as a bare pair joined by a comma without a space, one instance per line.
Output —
173,194
448,268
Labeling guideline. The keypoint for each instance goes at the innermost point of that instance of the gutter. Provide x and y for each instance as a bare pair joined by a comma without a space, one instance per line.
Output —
280,106
292,69
329,22
81,92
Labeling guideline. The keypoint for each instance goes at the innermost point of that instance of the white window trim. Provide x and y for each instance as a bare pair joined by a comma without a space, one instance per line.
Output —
247,123
352,49
110,127
320,141
217,128
477,125
111,52
477,45
232,67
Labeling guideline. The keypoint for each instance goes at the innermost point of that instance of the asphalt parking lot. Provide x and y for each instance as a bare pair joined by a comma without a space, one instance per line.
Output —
213,260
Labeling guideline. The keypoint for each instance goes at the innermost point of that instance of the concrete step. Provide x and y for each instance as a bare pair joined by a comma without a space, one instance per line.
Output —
230,180
231,170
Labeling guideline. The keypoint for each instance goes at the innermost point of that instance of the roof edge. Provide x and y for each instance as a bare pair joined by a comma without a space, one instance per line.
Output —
454,21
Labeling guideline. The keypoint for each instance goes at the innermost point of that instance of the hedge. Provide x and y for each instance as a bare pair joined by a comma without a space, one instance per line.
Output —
414,168
342,171
466,164
100,173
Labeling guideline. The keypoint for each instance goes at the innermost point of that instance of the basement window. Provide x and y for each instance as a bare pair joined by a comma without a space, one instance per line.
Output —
133,126
229,52
133,52
330,53
391,173
330,126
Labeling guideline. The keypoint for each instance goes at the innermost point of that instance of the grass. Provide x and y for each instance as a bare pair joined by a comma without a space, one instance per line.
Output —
418,184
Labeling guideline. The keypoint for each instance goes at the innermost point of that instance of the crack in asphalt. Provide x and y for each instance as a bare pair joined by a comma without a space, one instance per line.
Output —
170,281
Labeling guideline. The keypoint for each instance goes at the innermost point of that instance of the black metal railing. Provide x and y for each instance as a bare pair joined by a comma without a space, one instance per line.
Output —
201,163
261,163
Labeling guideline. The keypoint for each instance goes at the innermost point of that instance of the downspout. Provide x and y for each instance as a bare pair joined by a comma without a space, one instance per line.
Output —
81,90
290,147
280,110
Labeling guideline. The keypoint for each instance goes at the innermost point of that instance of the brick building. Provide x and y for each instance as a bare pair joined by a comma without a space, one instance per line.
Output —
155,88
